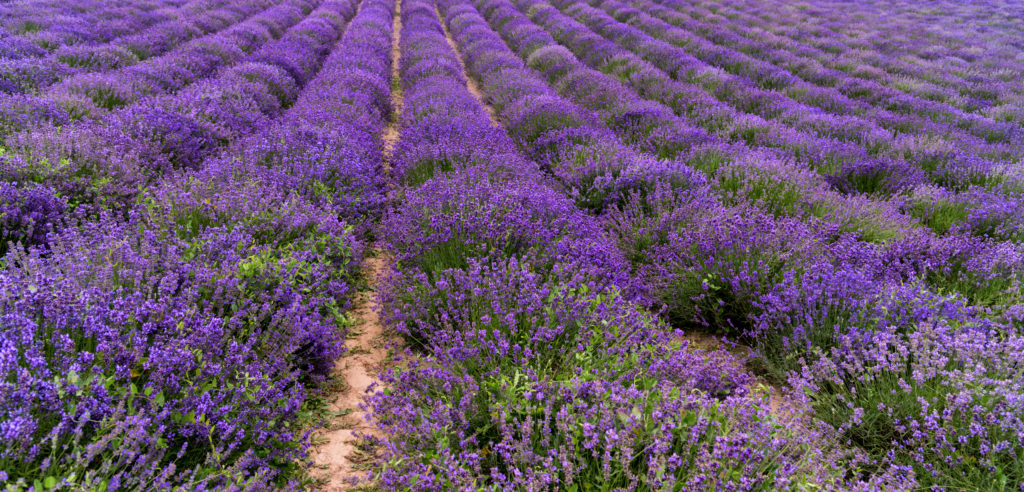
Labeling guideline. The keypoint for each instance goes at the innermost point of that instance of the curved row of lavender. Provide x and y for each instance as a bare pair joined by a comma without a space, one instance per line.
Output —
89,96
23,72
64,166
31,29
904,342
173,339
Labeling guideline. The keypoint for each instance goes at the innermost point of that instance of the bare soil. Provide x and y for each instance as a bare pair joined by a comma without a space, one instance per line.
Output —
741,353
391,133
342,454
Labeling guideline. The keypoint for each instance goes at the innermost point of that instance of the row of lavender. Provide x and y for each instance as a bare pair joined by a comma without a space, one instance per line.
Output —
826,309
522,384
172,339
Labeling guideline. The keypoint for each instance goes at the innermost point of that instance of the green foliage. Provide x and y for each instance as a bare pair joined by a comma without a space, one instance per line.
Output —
745,185
938,214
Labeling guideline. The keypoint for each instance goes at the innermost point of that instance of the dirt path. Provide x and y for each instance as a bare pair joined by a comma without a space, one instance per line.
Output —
391,133
341,454
471,84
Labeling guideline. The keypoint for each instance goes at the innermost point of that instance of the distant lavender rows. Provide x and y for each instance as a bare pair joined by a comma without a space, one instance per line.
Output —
851,122
944,187
820,54
89,95
863,95
32,29
880,38
33,74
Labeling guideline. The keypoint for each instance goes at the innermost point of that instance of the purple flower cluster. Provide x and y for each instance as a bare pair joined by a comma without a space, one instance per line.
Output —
28,213
926,382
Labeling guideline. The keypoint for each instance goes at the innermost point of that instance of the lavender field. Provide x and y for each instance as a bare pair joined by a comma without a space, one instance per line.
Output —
579,245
